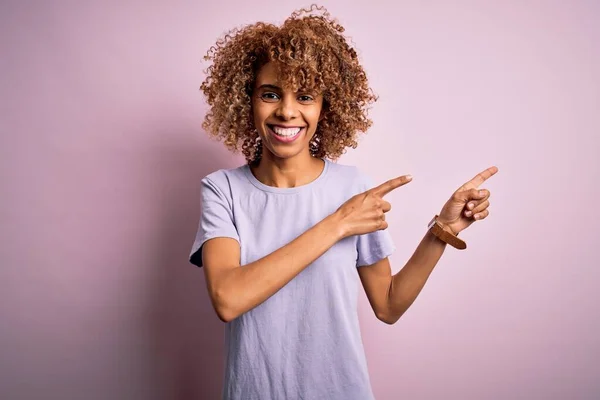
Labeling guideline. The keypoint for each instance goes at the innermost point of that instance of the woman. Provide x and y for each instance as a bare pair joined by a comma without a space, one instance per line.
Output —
281,238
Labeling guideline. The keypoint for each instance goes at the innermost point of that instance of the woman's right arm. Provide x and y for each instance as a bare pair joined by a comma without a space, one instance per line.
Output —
235,290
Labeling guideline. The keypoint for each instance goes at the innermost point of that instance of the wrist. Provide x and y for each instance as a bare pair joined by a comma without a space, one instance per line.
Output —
439,228
447,226
336,225
433,238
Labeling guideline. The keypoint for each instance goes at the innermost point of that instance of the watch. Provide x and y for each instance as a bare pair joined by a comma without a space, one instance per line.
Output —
437,228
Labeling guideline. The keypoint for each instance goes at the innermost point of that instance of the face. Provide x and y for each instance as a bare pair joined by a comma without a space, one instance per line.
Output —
285,120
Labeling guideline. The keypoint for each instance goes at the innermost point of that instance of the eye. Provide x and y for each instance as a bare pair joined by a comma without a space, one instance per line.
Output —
269,96
305,98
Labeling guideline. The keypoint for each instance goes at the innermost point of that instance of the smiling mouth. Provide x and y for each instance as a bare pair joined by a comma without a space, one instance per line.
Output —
285,134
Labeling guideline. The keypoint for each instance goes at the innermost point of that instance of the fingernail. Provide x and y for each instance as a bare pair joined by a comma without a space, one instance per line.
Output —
482,192
409,177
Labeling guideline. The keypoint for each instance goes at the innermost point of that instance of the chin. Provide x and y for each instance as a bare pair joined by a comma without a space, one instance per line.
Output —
285,154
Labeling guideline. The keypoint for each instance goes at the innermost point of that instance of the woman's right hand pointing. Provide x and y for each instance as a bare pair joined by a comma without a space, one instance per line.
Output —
365,212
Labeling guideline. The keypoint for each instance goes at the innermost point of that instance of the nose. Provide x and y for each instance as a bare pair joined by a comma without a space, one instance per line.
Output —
287,109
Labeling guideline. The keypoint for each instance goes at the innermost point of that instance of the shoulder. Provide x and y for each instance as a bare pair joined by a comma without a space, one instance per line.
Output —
351,176
225,177
224,182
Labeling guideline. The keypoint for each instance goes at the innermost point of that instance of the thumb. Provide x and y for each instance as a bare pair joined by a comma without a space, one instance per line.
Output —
471,194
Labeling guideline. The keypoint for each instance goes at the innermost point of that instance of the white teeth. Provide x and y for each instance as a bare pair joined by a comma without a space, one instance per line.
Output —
285,131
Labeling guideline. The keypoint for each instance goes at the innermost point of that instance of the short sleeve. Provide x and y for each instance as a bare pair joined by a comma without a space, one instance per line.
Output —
374,246
216,219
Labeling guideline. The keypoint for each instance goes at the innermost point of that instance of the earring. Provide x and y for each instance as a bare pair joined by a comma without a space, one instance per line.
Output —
257,147
314,144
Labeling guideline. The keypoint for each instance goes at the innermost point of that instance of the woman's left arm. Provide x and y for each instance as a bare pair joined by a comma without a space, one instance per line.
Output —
390,296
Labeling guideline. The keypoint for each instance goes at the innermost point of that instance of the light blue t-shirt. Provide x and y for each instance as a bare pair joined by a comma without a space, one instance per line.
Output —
303,342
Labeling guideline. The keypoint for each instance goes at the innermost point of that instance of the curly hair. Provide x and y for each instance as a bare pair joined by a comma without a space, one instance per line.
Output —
312,55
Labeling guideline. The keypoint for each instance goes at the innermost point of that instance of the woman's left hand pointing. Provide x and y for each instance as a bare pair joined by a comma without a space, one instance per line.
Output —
468,204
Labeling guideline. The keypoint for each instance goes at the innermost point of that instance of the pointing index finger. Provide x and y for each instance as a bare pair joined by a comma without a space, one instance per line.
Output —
482,177
390,185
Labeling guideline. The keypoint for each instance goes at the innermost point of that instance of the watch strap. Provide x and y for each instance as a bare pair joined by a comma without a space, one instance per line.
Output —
437,228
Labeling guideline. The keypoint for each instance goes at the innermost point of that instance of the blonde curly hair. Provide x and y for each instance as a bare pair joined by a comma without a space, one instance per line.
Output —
313,55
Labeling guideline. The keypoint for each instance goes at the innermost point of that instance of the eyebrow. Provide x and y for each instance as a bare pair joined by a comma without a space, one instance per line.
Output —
277,88
268,86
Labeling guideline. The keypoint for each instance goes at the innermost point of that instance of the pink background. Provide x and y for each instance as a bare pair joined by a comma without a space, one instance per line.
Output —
101,156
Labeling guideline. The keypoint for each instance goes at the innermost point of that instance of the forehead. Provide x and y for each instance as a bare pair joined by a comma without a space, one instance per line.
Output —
268,74
285,77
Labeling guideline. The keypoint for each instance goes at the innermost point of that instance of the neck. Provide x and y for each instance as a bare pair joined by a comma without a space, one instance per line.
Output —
287,172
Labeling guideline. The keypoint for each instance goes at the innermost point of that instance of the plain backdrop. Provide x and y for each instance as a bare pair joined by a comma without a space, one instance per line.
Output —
102,153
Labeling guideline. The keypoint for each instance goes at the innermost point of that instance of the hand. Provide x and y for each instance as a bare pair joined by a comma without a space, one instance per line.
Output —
365,212
468,204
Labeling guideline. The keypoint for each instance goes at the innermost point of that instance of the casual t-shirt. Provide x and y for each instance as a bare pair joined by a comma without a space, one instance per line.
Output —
304,341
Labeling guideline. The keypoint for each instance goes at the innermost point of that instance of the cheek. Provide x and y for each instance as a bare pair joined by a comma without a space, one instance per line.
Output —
260,112
316,113
314,118
258,118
